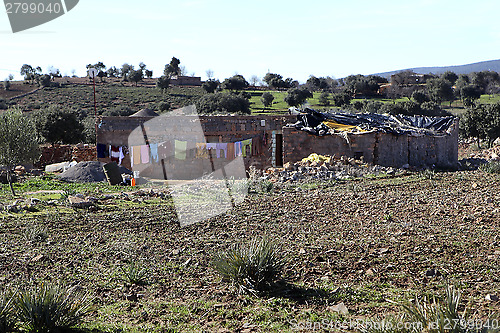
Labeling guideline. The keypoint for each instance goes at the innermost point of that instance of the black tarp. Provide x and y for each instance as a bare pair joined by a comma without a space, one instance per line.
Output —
312,121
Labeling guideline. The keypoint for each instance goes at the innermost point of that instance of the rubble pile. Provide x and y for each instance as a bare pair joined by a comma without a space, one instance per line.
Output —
319,167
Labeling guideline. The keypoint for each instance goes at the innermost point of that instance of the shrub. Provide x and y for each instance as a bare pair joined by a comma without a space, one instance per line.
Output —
267,99
434,317
134,273
6,84
223,103
324,98
56,124
163,106
253,268
297,96
49,308
35,233
7,316
490,167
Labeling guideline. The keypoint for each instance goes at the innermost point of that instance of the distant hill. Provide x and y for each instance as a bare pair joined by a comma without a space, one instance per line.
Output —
490,65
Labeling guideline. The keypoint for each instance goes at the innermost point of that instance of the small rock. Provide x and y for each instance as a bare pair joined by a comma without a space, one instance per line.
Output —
77,202
370,272
431,273
492,298
302,251
37,258
340,308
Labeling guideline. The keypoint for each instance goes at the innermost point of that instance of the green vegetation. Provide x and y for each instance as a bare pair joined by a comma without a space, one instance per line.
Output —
134,272
252,268
48,308
491,167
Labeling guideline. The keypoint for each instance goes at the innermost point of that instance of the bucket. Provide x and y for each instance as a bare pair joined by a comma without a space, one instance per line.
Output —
112,173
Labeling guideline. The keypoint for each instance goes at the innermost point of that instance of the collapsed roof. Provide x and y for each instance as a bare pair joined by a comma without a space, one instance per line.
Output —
323,123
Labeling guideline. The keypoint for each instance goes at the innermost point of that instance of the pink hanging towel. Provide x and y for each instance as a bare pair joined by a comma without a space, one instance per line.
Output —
144,154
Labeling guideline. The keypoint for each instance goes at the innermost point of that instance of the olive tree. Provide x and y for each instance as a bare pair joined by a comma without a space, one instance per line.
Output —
267,99
18,141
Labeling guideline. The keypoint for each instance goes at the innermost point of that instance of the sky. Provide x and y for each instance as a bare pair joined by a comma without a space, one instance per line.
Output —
295,39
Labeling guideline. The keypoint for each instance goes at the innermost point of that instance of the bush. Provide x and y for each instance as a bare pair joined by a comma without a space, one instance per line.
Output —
297,96
490,167
223,103
3,104
210,85
253,268
267,99
6,84
163,106
324,98
135,273
59,125
119,111
341,99
434,317
49,308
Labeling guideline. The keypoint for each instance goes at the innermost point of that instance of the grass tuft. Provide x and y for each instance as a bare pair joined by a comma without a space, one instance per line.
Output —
35,233
7,315
490,167
253,268
135,273
50,308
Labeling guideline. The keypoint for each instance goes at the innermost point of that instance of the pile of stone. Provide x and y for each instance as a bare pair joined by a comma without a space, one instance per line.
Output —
318,167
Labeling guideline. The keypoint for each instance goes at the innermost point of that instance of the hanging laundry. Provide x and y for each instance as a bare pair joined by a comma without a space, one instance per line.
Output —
115,154
230,151
144,154
101,150
136,154
256,146
211,149
221,147
154,152
201,150
122,155
180,149
246,147
165,150
238,148
190,149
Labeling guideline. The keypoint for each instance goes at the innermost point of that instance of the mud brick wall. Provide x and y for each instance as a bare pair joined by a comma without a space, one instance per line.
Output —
54,154
65,153
84,153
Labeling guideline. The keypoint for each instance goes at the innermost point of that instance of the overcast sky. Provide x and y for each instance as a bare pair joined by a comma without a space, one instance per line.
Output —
294,39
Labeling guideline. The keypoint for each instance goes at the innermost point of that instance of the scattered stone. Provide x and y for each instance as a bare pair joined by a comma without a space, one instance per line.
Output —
302,251
37,258
432,272
20,170
77,202
340,308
